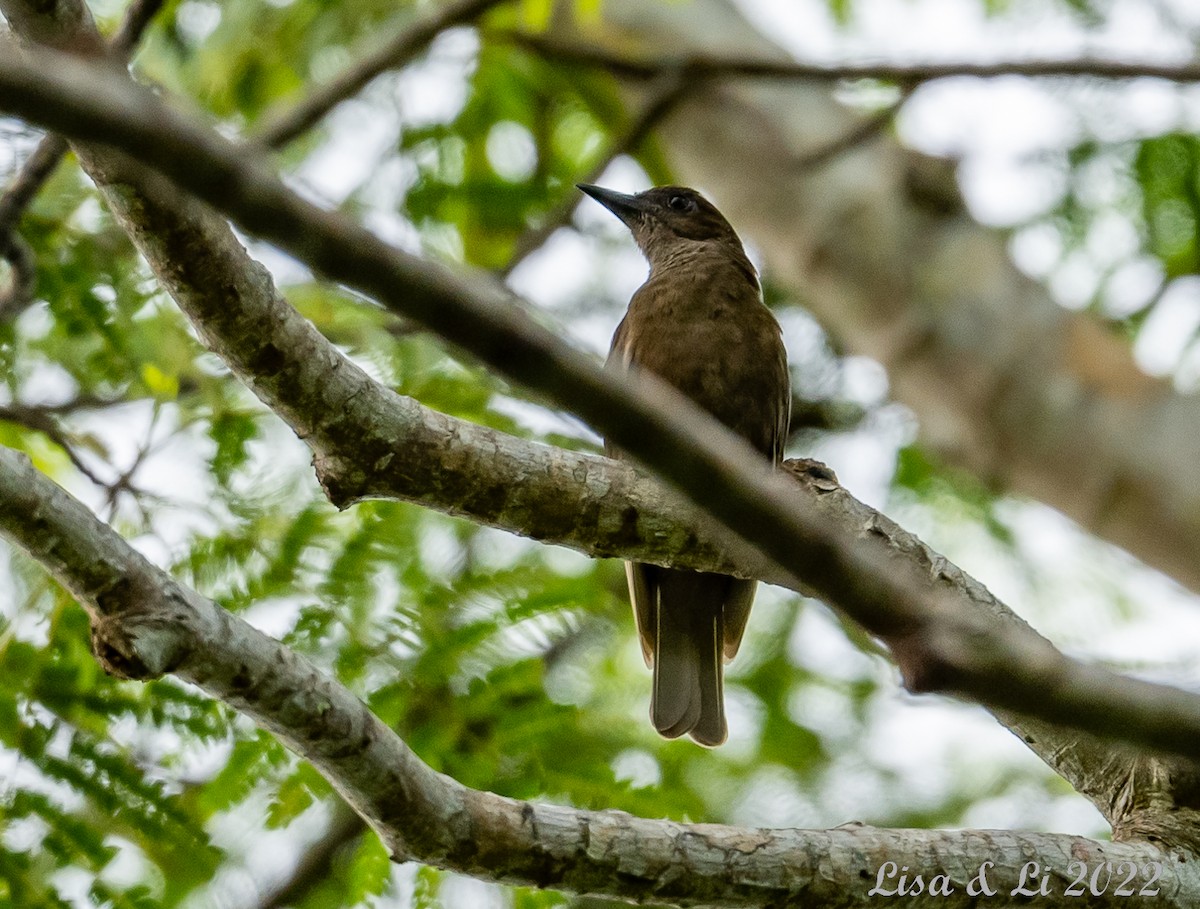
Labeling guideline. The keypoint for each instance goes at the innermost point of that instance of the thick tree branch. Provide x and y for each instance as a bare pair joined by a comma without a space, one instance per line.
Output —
146,624
880,247
280,128
939,645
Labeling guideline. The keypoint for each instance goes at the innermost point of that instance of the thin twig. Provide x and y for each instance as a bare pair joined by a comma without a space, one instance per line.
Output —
37,170
857,135
280,128
317,862
17,294
138,17
43,418
40,421
665,93
702,66
124,481
73,405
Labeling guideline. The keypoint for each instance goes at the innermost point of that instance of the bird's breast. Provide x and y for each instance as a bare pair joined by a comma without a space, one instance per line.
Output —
708,334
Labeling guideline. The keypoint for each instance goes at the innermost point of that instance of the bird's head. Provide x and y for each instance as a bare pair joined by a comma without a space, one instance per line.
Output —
666,218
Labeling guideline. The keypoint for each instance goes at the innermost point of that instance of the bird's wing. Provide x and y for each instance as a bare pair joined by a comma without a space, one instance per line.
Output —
738,600
620,352
642,590
783,407
741,593
641,595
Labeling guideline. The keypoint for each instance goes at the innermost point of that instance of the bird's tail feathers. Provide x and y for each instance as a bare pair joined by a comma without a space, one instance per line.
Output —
687,692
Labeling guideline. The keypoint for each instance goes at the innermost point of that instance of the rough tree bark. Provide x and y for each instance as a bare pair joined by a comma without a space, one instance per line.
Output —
937,644
877,244
145,624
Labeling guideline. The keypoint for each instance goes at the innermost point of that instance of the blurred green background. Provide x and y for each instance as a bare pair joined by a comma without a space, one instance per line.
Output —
509,665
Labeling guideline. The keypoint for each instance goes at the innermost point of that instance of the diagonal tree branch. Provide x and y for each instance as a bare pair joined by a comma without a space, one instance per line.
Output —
281,127
146,624
938,644
881,247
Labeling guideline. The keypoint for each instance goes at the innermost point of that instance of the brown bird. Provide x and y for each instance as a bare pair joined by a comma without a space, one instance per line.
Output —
698,323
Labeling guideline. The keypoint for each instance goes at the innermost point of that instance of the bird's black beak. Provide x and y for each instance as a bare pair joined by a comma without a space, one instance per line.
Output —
624,206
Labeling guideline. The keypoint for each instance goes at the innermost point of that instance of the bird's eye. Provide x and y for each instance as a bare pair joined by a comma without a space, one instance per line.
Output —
681,203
